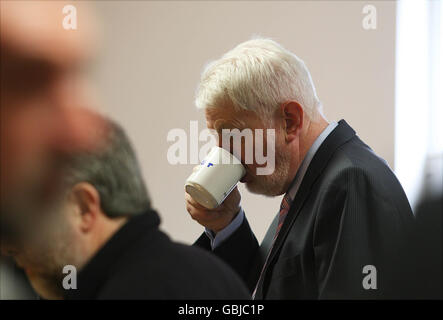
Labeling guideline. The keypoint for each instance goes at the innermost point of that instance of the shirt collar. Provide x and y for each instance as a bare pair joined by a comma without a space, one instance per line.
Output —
307,160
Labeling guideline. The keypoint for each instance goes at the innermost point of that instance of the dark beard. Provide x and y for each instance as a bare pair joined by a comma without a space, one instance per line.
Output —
8,233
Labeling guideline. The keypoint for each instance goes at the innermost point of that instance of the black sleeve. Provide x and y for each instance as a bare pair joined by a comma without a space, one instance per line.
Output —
356,239
238,251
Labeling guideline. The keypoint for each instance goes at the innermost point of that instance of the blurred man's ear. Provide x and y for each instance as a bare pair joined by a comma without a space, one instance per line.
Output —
87,202
292,114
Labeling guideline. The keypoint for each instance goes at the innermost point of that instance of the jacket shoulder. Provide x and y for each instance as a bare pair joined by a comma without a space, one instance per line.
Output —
158,268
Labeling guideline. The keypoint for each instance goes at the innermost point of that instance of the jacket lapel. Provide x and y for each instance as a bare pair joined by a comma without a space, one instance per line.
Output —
340,135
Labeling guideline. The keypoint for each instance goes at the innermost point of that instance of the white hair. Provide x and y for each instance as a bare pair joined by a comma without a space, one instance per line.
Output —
258,75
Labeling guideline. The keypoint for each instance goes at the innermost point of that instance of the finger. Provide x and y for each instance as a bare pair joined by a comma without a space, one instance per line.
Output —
199,216
194,203
196,212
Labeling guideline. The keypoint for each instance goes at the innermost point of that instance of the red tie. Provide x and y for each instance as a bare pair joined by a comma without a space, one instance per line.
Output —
284,209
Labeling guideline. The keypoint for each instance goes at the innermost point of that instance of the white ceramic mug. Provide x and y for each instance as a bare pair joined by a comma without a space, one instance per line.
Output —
215,178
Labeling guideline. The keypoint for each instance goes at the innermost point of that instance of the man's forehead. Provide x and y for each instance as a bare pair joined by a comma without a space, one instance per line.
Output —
229,117
35,29
222,113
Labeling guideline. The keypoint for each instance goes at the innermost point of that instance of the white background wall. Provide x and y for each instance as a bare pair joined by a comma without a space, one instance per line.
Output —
153,53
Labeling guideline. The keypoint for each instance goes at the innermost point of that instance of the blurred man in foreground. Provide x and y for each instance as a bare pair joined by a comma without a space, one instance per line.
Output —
105,227
344,216
43,101
43,115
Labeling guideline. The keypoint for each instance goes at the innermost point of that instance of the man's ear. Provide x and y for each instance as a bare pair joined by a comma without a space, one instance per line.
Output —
87,201
292,114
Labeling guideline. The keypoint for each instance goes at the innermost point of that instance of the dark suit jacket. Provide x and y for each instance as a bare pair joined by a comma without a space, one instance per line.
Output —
141,262
350,211
428,245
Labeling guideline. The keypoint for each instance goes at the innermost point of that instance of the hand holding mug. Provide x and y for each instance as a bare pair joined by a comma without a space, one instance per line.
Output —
212,197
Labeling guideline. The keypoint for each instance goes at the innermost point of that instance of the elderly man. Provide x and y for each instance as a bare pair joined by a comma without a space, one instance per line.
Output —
344,216
105,228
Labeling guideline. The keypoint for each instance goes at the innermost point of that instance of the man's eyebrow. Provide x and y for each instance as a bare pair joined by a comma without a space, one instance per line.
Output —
238,124
228,124
219,124
17,61
20,59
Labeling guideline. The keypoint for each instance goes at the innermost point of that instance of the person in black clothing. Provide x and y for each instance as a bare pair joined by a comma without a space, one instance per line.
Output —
105,229
428,238
344,217
428,245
